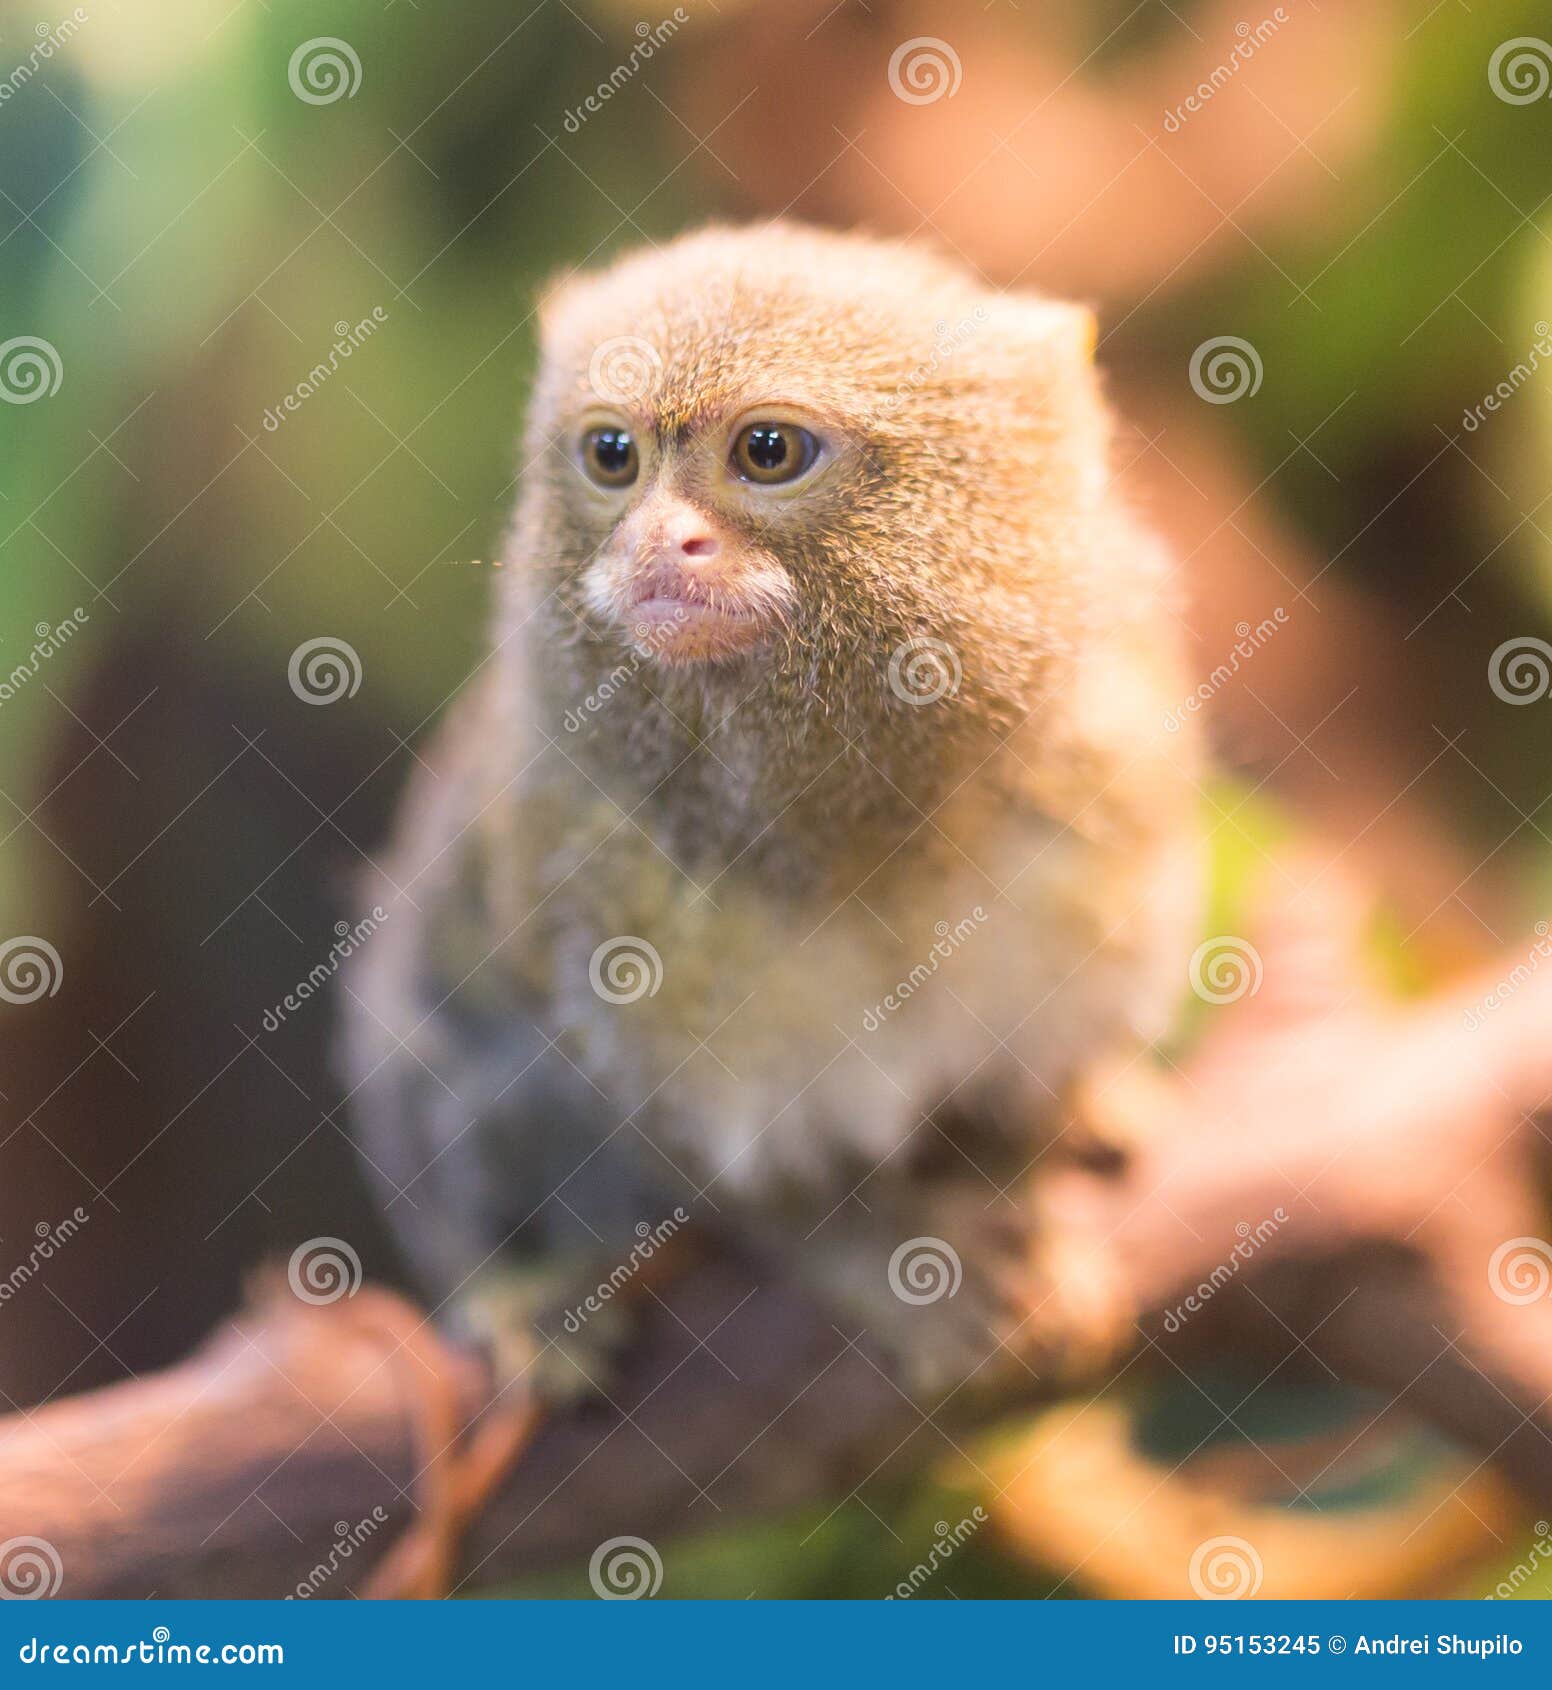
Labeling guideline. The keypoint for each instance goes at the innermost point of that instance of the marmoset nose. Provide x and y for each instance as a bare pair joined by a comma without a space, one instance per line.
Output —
684,534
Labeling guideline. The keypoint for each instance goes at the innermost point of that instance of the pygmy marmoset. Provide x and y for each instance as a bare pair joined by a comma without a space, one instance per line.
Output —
813,826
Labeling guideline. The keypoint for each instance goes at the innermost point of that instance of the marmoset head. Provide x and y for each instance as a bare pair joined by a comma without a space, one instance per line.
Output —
797,460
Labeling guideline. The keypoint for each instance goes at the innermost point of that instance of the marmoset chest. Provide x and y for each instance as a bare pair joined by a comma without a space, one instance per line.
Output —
755,1024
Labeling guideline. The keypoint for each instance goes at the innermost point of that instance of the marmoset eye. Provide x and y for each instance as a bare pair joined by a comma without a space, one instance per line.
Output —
767,453
609,456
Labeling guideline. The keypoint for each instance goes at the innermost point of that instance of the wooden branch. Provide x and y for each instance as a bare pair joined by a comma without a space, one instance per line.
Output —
239,1471
1379,1155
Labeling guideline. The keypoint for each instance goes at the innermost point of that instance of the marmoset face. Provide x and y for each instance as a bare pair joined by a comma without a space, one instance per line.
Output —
690,567
792,450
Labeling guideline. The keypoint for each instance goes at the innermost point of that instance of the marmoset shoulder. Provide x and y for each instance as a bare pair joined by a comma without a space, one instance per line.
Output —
818,823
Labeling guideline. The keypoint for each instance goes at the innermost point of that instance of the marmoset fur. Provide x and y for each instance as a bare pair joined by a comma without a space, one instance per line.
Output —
813,827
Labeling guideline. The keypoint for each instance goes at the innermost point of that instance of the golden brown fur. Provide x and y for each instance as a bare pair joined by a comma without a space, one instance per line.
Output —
791,829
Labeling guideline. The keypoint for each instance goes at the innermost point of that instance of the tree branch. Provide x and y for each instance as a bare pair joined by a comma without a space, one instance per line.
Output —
1394,1141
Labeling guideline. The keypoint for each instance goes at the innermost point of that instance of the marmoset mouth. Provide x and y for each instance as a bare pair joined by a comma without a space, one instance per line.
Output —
677,629
689,615
664,582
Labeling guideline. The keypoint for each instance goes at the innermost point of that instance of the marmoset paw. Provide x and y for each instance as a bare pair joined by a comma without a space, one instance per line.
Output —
563,1350
496,1311
1112,1109
1066,1305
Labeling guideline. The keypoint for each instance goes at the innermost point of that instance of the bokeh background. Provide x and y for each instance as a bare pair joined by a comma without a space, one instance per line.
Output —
190,224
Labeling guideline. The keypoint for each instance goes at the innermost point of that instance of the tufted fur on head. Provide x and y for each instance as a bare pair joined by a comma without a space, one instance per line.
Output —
962,536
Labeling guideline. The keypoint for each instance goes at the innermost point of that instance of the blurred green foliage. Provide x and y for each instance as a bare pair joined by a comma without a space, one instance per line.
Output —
189,235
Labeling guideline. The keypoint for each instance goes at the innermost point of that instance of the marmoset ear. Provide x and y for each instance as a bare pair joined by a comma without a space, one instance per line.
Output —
1087,330
1065,333
554,297
1045,362
1037,354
